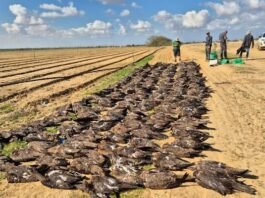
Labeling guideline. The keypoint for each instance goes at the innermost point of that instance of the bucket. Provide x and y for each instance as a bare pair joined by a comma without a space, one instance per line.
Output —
237,61
213,56
224,61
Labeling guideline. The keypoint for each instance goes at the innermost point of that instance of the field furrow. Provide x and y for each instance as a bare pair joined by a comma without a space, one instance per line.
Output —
12,91
53,68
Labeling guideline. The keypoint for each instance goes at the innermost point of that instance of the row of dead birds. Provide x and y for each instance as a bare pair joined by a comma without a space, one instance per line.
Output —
103,142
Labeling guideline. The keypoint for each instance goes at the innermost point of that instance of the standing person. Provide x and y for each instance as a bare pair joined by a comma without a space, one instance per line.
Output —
247,43
223,44
176,49
208,45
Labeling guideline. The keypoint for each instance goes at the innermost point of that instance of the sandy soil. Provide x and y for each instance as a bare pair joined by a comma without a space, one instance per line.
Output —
237,114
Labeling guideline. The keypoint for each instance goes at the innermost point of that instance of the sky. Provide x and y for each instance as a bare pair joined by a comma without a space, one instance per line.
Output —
73,23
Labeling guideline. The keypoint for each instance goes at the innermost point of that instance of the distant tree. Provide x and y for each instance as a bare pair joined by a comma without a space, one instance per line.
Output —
156,41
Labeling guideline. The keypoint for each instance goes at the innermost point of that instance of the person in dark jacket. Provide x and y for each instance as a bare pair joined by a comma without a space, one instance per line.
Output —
208,45
247,43
223,44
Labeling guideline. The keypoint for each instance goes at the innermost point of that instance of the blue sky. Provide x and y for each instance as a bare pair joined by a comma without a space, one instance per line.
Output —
66,23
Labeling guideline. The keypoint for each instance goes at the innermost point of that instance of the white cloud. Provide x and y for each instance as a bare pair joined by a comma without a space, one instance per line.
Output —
111,1
39,30
11,28
255,4
110,12
225,8
125,13
55,11
26,23
193,19
122,30
20,12
141,26
171,21
135,5
95,28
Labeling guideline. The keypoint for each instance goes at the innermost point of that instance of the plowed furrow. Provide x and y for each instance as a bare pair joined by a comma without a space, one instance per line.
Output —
64,67
27,90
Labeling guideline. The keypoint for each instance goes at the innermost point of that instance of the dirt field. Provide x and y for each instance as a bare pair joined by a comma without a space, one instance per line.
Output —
236,113
28,83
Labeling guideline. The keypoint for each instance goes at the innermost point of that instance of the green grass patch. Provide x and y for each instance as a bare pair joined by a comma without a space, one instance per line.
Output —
137,193
148,167
117,76
8,149
6,108
18,117
52,130
72,116
2,175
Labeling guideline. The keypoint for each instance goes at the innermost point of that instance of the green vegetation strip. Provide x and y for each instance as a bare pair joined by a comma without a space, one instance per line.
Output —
2,175
9,148
6,108
52,130
117,76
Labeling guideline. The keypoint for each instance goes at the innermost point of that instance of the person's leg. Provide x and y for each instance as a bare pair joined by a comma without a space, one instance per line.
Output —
247,51
222,51
206,53
225,54
174,54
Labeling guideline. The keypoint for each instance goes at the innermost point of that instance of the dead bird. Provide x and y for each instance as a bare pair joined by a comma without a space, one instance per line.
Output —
39,146
220,182
61,179
69,128
196,135
221,168
190,143
123,165
21,174
86,166
103,125
132,152
180,151
132,178
120,128
51,161
24,155
144,144
7,162
102,187
169,161
156,179
147,133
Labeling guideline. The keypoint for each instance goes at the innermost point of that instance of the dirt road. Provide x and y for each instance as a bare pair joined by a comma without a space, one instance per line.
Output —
237,113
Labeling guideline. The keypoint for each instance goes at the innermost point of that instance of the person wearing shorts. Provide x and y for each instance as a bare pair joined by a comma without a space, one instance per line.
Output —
176,49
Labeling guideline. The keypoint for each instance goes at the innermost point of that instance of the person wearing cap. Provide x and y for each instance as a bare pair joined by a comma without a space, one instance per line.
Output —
223,44
208,45
247,43
176,49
